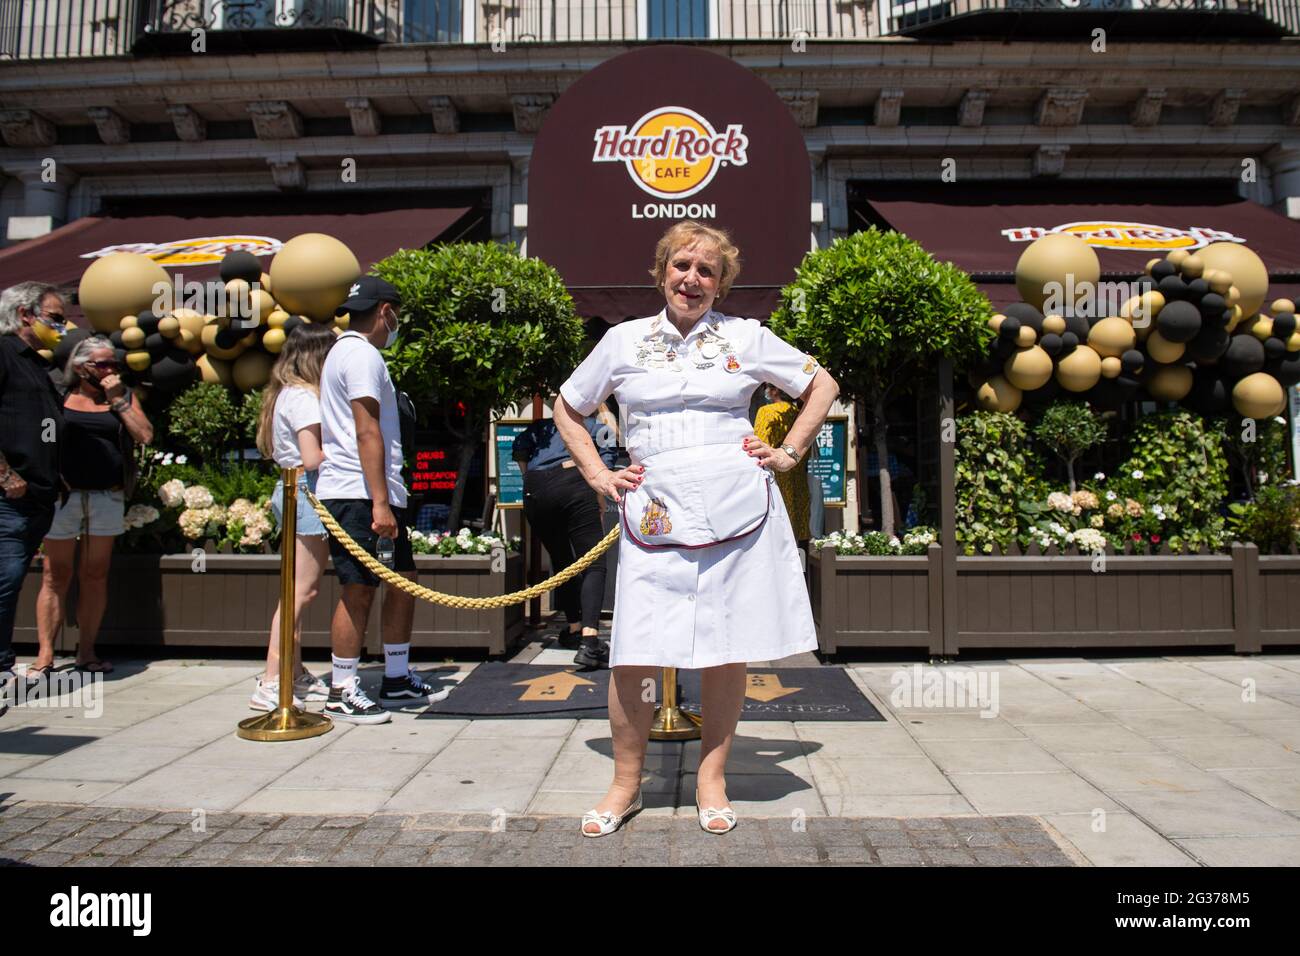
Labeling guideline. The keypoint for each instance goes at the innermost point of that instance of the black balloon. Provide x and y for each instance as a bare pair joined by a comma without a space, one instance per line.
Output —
1209,344
1283,325
1287,371
241,265
1079,325
1163,269
148,322
1274,349
1051,343
227,338
1209,394
174,371
1044,395
1069,342
1009,329
1178,322
1245,356
1172,288
1197,288
1132,361
1212,304
156,344
1025,314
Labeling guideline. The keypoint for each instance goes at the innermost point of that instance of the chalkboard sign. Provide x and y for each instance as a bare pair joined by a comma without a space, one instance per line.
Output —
828,460
510,480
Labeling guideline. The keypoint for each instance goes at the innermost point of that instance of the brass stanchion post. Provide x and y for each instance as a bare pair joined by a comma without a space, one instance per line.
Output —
286,722
671,721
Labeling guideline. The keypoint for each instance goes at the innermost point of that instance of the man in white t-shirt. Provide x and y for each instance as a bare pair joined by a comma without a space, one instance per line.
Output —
361,484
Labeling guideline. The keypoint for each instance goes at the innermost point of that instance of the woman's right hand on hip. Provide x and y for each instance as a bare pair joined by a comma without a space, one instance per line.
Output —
610,483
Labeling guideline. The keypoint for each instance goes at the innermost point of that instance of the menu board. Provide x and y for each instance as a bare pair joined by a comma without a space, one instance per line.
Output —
510,480
828,460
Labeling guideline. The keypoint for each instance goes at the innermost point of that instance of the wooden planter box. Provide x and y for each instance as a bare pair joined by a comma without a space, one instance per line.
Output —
1240,600
162,600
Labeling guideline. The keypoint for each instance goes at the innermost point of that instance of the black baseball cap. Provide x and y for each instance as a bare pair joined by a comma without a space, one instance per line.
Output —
366,293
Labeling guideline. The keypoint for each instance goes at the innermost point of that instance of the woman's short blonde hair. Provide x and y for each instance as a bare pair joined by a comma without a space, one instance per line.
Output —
689,233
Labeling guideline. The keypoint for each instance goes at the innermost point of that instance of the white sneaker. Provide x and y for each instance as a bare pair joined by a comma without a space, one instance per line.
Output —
267,696
310,687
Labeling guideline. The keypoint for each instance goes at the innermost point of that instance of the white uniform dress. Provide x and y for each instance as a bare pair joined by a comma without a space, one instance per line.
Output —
686,407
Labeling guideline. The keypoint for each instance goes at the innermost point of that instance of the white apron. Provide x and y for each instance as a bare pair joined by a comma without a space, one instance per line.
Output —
685,404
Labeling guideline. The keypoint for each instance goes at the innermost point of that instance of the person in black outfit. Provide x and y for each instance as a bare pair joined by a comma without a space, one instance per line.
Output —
561,508
31,425
102,422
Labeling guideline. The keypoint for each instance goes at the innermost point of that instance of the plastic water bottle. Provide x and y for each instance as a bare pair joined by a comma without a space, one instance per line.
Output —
384,548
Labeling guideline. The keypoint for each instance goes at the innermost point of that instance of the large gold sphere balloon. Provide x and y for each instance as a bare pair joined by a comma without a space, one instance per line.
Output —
252,369
1053,259
1258,396
1249,274
998,395
121,283
312,274
1170,383
1079,370
215,370
1112,337
1028,369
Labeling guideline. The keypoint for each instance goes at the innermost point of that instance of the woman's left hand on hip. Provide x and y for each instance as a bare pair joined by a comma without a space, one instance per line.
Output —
768,457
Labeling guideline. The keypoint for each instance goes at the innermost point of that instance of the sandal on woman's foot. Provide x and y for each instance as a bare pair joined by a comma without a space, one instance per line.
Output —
609,821
34,674
709,814
95,667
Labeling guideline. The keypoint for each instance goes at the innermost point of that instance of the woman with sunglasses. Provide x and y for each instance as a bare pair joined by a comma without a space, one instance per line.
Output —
102,421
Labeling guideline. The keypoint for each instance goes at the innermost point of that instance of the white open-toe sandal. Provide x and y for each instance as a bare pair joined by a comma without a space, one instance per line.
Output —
708,814
609,821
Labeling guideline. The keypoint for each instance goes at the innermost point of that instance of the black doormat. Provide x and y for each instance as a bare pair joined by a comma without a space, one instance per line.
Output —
500,690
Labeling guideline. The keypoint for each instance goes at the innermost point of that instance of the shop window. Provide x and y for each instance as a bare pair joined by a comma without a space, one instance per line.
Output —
431,21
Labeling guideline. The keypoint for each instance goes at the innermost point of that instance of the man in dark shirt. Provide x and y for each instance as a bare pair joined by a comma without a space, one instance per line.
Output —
31,420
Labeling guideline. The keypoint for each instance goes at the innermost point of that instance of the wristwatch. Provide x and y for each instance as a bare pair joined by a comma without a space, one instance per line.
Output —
792,452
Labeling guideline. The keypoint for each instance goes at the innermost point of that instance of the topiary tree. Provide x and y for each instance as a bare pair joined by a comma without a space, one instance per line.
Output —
1068,429
876,310
205,420
482,327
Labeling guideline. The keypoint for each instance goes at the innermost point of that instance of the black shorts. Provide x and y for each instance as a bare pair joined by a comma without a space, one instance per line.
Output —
355,515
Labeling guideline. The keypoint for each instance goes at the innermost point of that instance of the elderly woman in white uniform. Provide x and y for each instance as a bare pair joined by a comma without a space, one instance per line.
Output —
708,573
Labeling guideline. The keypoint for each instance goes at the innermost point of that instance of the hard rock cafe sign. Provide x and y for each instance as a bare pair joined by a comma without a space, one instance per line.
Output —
1132,236
672,152
193,252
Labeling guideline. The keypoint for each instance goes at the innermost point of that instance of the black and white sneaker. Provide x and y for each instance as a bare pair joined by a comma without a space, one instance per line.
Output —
350,704
408,690
593,654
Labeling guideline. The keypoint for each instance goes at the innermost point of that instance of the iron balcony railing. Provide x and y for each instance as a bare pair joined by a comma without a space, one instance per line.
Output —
46,29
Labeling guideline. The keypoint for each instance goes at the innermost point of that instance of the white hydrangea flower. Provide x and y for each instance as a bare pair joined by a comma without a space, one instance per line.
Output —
197,496
1111,496
1099,477
181,459
1137,473
172,493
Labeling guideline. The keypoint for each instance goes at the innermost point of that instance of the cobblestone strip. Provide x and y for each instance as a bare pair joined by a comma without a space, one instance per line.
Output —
42,834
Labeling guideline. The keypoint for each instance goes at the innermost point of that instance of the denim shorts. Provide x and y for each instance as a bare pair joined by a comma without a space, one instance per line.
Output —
100,513
308,522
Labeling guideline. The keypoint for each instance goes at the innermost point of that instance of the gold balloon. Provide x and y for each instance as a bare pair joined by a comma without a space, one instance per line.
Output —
189,341
995,321
1177,257
273,340
1258,396
1112,337
998,395
342,322
1028,369
190,321
1111,367
1293,343
169,327
133,338
252,369
1162,350
265,283
1079,370
1262,328
1219,280
1150,265
1053,325
1249,274
118,284
276,319
214,370
128,322
1055,259
1026,337
138,361
312,274
209,339
1282,305
1170,383
262,306
1193,266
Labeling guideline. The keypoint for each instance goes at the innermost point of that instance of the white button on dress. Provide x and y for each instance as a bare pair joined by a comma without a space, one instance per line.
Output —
685,403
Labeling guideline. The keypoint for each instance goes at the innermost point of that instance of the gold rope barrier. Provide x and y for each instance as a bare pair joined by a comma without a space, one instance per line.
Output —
455,600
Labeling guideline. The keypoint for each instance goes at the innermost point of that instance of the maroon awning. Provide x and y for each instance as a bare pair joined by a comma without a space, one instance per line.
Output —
985,237
62,256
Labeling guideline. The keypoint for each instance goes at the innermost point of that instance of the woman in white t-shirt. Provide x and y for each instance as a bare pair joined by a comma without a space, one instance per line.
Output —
289,432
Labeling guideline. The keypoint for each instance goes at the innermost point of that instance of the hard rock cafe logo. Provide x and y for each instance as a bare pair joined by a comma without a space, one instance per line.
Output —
671,152
1134,236
193,252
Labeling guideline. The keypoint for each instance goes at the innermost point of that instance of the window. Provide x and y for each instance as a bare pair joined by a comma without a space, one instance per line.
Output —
673,19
